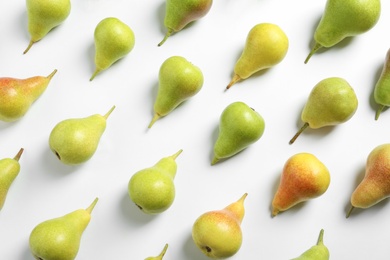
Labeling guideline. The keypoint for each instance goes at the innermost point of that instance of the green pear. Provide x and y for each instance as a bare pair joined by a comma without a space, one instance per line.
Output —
9,170
160,256
75,140
43,16
179,13
316,252
239,127
152,189
332,101
179,80
266,45
342,19
113,41
218,233
59,238
17,95
382,87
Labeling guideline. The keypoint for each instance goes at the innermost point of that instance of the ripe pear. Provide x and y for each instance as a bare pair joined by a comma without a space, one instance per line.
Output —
152,189
304,177
160,256
9,170
59,238
331,102
382,87
239,127
17,95
218,233
316,252
179,80
179,13
375,185
113,41
266,46
43,16
75,140
344,18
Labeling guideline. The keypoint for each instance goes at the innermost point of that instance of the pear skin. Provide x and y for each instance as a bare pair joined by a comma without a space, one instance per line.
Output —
218,233
316,252
382,87
9,170
375,185
17,95
304,177
266,45
160,256
179,13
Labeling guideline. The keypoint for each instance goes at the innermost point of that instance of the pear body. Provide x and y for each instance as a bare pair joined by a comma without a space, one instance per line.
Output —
316,252
153,189
113,41
75,140
179,80
44,15
239,127
59,238
304,177
218,233
382,87
17,95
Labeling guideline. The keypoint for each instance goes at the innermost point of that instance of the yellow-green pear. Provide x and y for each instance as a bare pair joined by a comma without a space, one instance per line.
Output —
266,45
152,189
382,87
113,41
17,95
59,238
43,16
9,170
160,256
218,233
316,252
76,140
332,101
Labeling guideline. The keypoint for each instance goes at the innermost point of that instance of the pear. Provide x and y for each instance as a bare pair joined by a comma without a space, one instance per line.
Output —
342,19
17,95
332,101
160,256
316,252
382,87
113,41
375,185
179,80
75,140
239,127
304,177
266,45
152,189
218,233
9,170
59,238
179,13
43,16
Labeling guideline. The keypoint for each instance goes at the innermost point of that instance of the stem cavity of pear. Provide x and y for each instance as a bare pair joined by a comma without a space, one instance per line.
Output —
298,133
315,48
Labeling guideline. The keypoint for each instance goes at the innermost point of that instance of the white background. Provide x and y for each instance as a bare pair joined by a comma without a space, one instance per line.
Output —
45,188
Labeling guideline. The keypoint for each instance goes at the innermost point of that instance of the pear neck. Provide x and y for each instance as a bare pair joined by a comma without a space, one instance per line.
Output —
92,206
237,208
168,164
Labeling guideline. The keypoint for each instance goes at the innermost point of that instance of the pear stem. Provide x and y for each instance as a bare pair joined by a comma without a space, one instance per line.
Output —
274,212
320,240
169,32
298,133
233,81
19,154
243,197
90,208
154,119
163,251
29,46
315,48
349,211
176,154
214,161
52,74
97,71
379,111
109,112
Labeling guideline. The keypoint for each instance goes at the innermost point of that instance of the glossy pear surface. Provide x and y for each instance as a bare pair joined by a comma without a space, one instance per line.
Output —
59,238
17,95
178,81
9,170
331,102
303,177
239,127
344,18
179,13
160,256
153,189
43,16
113,41
218,233
266,46
75,140
316,252
382,87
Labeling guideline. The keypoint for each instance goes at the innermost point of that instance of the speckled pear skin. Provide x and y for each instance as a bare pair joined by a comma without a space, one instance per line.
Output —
382,87
304,177
316,252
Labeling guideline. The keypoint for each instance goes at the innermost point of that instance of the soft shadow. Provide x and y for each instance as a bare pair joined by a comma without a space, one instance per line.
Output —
160,14
23,22
91,57
214,137
191,251
5,125
132,212
54,166
26,254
